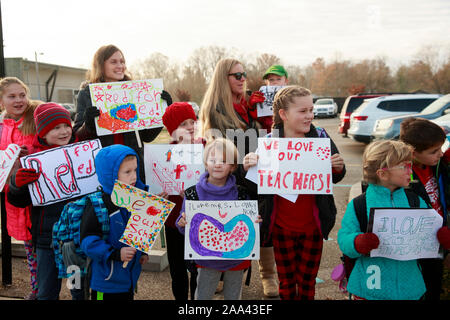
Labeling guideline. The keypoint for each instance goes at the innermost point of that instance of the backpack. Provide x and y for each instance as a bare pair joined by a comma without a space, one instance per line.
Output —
66,234
360,205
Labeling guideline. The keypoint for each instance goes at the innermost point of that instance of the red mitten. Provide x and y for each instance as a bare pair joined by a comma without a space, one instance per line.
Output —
25,176
366,242
256,97
443,236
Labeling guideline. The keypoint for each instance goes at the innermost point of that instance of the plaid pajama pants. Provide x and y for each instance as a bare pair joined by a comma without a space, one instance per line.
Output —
297,255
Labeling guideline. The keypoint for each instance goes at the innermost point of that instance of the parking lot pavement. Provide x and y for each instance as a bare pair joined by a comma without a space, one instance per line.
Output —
157,285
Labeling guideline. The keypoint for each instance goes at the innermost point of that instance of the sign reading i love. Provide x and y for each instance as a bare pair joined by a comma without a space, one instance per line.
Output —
294,166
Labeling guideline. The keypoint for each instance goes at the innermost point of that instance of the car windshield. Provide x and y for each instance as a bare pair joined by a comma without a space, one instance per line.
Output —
320,102
436,105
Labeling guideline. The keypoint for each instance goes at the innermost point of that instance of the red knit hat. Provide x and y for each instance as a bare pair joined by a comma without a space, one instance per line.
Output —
49,115
176,113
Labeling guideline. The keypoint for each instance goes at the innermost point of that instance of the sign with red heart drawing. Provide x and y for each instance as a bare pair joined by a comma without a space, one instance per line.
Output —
294,166
218,230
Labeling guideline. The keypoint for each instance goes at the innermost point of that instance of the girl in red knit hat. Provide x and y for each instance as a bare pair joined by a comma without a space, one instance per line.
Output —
53,129
180,121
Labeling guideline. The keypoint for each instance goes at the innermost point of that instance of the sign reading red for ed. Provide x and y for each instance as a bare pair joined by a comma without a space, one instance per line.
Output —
294,166
66,172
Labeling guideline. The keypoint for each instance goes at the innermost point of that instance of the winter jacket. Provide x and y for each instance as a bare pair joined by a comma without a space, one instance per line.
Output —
399,280
207,191
326,211
42,217
18,220
108,273
129,138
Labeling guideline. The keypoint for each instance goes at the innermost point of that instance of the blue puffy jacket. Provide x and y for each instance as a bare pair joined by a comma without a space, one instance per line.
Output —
399,280
108,274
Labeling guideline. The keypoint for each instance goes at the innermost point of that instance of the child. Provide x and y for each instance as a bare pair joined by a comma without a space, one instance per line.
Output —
53,129
110,280
275,75
387,169
296,229
17,126
218,183
180,120
430,180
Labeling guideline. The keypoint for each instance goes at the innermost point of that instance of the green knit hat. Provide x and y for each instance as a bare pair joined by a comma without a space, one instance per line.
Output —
276,69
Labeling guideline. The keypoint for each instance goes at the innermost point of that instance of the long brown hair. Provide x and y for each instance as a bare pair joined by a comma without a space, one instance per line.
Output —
217,111
97,72
28,126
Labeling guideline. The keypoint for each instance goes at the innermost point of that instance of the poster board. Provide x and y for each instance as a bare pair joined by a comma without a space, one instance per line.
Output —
265,108
66,172
405,234
221,230
294,166
172,167
128,105
148,214
7,159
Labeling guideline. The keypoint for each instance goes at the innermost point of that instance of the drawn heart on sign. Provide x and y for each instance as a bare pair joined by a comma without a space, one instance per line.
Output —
234,239
109,86
153,211
323,153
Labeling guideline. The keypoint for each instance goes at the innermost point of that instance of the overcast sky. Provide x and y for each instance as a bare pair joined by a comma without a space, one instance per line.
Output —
297,31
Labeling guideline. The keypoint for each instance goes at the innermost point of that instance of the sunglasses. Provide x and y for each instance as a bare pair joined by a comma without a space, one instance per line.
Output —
239,75
406,166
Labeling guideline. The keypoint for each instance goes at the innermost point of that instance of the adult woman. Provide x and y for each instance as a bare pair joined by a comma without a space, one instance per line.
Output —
225,113
108,65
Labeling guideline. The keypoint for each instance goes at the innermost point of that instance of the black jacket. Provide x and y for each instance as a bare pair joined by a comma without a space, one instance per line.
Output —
325,203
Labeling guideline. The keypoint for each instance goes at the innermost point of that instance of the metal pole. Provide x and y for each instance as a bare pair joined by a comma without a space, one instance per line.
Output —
6,239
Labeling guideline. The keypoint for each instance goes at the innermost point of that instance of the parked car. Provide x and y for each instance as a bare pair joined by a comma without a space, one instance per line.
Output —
71,108
444,122
325,107
350,104
389,128
362,120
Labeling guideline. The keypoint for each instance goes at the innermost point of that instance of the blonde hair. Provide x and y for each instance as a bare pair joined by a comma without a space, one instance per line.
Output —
28,126
217,111
282,99
227,147
97,72
384,154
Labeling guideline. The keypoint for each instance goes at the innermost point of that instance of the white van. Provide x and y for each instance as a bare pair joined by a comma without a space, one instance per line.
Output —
362,120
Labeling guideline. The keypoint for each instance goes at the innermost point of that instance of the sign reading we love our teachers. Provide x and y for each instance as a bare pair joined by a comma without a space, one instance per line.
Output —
294,166
218,230
128,105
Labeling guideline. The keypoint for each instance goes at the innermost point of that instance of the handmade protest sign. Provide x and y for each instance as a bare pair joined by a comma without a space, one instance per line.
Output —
294,166
7,159
66,172
148,214
172,167
405,234
218,230
265,108
128,105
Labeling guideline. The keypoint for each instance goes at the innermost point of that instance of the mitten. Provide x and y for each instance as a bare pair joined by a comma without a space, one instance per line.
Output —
166,96
366,242
25,176
256,97
89,117
443,236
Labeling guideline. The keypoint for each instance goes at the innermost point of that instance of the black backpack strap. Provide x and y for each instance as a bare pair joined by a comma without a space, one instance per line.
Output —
360,206
191,193
413,198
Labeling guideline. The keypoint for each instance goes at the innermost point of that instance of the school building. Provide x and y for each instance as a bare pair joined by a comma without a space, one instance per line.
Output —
55,82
